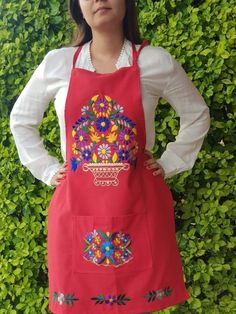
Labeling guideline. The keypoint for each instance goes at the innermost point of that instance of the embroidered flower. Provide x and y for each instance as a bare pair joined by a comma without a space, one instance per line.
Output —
126,136
61,298
81,137
102,124
111,137
105,251
84,110
118,108
73,163
107,248
97,239
110,299
95,137
123,154
103,135
153,295
101,107
74,149
64,298
104,151
86,154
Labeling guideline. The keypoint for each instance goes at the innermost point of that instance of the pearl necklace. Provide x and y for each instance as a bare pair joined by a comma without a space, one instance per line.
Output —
120,55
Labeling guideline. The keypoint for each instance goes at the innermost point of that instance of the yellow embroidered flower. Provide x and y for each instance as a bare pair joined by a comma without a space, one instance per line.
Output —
111,137
73,132
74,150
95,137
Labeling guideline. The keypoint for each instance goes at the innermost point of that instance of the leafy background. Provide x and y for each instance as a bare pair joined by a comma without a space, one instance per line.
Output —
201,36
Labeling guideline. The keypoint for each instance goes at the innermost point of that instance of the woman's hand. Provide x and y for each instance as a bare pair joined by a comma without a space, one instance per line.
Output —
153,164
59,175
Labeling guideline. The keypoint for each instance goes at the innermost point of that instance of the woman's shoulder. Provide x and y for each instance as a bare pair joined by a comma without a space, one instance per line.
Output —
155,59
155,53
58,61
61,53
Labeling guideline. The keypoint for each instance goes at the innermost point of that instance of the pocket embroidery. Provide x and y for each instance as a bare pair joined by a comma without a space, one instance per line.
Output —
64,298
111,299
105,141
107,249
158,294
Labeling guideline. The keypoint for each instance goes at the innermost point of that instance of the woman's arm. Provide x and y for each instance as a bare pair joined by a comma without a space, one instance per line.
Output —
190,106
26,116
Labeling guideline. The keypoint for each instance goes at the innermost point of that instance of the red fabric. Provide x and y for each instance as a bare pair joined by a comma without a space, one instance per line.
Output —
111,229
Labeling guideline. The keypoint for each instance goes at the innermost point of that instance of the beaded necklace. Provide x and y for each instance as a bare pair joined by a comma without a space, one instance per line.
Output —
120,55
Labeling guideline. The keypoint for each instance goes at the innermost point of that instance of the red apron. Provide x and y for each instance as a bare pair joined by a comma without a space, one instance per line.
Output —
111,230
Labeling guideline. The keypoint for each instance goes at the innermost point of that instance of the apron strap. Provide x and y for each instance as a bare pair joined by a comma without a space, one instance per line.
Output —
76,55
136,53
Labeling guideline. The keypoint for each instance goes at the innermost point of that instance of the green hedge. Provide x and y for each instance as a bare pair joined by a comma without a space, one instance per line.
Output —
201,36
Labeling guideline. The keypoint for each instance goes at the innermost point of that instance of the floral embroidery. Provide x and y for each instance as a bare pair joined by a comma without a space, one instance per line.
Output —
104,140
111,299
158,294
107,249
64,298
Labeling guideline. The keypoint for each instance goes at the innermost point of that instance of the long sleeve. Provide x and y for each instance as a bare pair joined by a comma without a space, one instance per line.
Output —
26,116
194,115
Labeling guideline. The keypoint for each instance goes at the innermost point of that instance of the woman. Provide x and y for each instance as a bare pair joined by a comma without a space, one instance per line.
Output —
111,227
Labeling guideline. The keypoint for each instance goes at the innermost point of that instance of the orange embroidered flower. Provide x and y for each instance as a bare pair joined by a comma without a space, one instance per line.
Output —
97,239
97,253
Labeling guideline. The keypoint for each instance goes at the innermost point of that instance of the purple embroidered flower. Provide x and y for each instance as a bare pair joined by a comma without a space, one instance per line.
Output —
86,154
102,124
123,154
101,105
107,248
74,163
126,136
110,299
81,137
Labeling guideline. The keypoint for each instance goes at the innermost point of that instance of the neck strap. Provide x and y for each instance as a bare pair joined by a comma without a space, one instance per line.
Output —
135,52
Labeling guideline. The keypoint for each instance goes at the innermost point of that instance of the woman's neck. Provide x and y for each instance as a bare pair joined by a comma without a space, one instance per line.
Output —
106,46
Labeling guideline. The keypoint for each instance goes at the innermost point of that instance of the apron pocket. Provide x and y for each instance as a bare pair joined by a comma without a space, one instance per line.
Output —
111,243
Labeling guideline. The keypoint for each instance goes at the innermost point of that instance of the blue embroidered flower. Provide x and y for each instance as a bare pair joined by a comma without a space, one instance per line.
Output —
126,254
74,163
86,154
107,248
123,154
102,124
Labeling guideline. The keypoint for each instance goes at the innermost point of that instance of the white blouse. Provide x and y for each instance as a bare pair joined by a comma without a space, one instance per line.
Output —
161,76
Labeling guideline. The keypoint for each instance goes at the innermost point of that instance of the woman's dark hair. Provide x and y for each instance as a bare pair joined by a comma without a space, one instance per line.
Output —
83,32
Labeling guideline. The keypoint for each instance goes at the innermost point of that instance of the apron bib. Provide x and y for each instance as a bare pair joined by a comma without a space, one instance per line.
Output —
111,229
